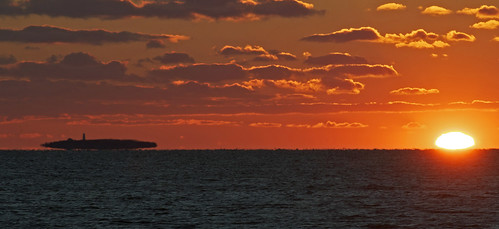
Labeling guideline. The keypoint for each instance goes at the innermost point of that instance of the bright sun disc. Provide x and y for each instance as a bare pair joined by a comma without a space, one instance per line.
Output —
454,140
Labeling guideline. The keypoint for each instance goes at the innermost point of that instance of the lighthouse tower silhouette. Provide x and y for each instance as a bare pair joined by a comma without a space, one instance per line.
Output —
83,137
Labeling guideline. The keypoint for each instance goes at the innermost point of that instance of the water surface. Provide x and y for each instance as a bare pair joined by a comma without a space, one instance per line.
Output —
249,189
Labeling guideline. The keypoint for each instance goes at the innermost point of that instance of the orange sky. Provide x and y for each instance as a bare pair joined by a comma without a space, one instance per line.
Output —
249,73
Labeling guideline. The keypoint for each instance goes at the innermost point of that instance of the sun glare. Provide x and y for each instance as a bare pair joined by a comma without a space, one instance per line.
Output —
454,141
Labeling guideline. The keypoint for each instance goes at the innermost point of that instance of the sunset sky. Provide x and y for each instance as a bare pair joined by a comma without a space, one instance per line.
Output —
249,73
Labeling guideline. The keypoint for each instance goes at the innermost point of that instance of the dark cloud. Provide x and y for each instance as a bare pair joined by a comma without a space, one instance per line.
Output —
52,34
199,72
214,73
345,35
186,9
22,98
155,44
32,48
274,72
174,58
460,36
74,66
483,12
335,58
7,59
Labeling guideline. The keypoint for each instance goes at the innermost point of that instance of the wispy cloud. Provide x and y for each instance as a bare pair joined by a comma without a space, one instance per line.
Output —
414,126
334,58
414,91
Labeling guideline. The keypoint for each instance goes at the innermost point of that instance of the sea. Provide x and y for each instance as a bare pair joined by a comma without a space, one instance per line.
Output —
249,189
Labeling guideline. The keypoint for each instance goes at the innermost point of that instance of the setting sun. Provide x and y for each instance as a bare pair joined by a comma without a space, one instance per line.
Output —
454,140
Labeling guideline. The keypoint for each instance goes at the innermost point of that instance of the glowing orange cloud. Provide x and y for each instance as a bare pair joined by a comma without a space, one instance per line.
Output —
414,91
436,10
414,125
391,6
483,12
415,39
459,36
491,24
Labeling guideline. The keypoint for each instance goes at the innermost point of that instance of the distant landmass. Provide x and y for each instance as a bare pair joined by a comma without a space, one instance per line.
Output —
99,144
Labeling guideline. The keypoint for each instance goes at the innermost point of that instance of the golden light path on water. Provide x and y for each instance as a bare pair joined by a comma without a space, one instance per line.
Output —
455,141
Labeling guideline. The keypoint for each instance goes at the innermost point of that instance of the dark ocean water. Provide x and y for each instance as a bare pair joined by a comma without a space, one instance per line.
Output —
249,189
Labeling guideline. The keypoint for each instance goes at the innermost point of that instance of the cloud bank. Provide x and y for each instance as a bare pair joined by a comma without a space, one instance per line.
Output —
186,9
415,39
53,34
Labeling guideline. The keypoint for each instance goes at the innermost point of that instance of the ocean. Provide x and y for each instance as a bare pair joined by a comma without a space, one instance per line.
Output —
249,189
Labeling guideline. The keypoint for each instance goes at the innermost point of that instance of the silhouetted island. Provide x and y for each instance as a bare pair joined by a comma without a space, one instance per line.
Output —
97,144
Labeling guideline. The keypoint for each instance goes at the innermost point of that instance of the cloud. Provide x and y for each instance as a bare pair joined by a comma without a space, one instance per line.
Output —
285,56
143,120
247,50
262,54
391,6
30,135
230,72
490,24
74,66
335,58
355,70
174,58
327,124
414,91
200,72
186,9
155,43
459,36
415,39
496,39
423,45
7,59
436,10
326,85
415,35
483,12
21,98
345,35
341,71
341,86
414,126
330,124
52,34
265,124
